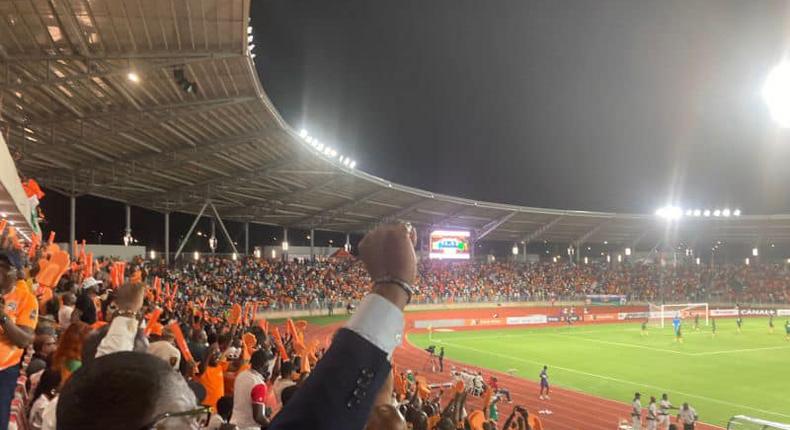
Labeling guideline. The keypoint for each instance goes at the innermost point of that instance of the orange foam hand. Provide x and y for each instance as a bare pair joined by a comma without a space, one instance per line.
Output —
278,340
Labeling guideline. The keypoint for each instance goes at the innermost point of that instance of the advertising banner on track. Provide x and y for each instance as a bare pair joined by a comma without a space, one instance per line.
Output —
632,315
531,319
749,312
606,299
601,317
439,323
783,312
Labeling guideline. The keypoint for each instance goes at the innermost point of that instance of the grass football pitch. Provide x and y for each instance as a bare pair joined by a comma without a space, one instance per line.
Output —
732,373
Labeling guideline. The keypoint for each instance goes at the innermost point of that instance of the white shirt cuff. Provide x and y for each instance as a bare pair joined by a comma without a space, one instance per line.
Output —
120,336
378,321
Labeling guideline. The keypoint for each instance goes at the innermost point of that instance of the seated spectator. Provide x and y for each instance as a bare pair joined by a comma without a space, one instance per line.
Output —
64,314
45,392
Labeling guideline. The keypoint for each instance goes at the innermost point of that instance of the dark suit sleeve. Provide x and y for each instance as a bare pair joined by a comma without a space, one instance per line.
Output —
340,391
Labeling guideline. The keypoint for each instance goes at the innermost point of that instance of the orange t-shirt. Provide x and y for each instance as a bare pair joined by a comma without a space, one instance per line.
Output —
214,383
21,308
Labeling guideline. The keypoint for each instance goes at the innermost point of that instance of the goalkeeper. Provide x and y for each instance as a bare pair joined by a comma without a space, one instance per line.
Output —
678,331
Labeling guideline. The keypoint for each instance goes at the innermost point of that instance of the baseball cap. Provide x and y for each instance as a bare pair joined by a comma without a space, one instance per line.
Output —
90,282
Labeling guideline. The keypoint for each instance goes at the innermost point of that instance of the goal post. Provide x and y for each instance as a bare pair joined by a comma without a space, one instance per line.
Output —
661,315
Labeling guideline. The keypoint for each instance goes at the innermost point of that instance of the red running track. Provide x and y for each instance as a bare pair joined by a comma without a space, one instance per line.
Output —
571,410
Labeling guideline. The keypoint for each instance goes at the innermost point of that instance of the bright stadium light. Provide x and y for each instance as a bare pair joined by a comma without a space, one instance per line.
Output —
554,259
249,29
608,258
285,246
303,133
235,256
619,258
353,164
257,253
134,77
196,256
670,212
586,260
628,252
697,212
152,254
515,249
717,213
706,212
755,252
250,38
725,213
689,212
776,94
274,254
736,212
698,261
746,261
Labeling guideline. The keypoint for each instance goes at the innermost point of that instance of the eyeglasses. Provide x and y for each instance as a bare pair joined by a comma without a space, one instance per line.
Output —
201,417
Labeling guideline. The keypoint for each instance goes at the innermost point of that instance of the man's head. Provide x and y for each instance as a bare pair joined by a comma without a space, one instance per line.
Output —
91,286
260,361
637,395
125,390
69,299
685,406
664,396
8,273
286,368
45,345
652,399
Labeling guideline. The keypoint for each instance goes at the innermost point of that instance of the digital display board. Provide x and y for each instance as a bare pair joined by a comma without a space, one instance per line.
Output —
450,245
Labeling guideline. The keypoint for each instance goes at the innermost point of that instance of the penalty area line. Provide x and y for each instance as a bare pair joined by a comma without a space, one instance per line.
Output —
618,380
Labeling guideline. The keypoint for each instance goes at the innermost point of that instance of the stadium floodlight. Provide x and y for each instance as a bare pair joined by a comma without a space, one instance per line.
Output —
586,260
725,212
234,256
608,258
274,254
670,212
736,212
689,212
332,153
697,212
628,252
249,29
134,77
515,249
788,261
196,256
717,212
553,259
318,145
249,38
605,242
251,46
252,55
152,254
619,258
353,164
698,261
706,212
257,253
347,162
285,246
746,261
776,94
755,252
303,133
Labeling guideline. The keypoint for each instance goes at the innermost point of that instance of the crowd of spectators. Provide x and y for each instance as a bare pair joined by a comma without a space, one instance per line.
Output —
139,345
278,285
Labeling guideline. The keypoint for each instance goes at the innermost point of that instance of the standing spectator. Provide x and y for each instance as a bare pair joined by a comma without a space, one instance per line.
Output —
18,318
283,381
85,304
249,393
45,392
636,412
43,347
441,359
64,314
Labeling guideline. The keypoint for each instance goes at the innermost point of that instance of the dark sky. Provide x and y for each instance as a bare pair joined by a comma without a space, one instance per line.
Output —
597,105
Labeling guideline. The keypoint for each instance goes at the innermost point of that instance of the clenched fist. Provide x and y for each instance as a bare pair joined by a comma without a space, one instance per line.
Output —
388,251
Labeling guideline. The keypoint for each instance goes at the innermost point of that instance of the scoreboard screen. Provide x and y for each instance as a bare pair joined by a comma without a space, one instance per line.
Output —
450,245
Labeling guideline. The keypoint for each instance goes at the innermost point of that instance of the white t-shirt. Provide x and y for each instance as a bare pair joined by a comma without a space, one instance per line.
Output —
36,417
49,415
636,407
279,385
249,388
64,316
688,416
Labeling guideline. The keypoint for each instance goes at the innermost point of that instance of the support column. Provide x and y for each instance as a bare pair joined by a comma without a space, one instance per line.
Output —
128,229
348,242
189,232
525,251
72,222
312,244
286,245
213,236
246,238
167,238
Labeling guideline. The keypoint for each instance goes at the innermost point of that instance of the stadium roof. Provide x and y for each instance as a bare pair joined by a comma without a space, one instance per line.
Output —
94,102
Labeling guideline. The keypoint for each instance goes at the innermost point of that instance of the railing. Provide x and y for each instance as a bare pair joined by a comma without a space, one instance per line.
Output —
742,422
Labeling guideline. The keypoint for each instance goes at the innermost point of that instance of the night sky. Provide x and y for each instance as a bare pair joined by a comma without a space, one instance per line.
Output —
595,105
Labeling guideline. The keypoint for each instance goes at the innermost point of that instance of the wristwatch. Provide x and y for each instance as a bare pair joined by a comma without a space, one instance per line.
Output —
405,286
126,313
3,320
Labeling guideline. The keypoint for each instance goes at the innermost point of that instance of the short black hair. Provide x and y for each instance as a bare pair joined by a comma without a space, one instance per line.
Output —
286,368
287,393
118,391
225,407
260,358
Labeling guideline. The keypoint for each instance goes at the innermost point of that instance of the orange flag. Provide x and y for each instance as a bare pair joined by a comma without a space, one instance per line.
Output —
235,314
157,288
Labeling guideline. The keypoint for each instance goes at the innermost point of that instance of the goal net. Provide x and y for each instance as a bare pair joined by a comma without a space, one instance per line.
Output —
662,315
